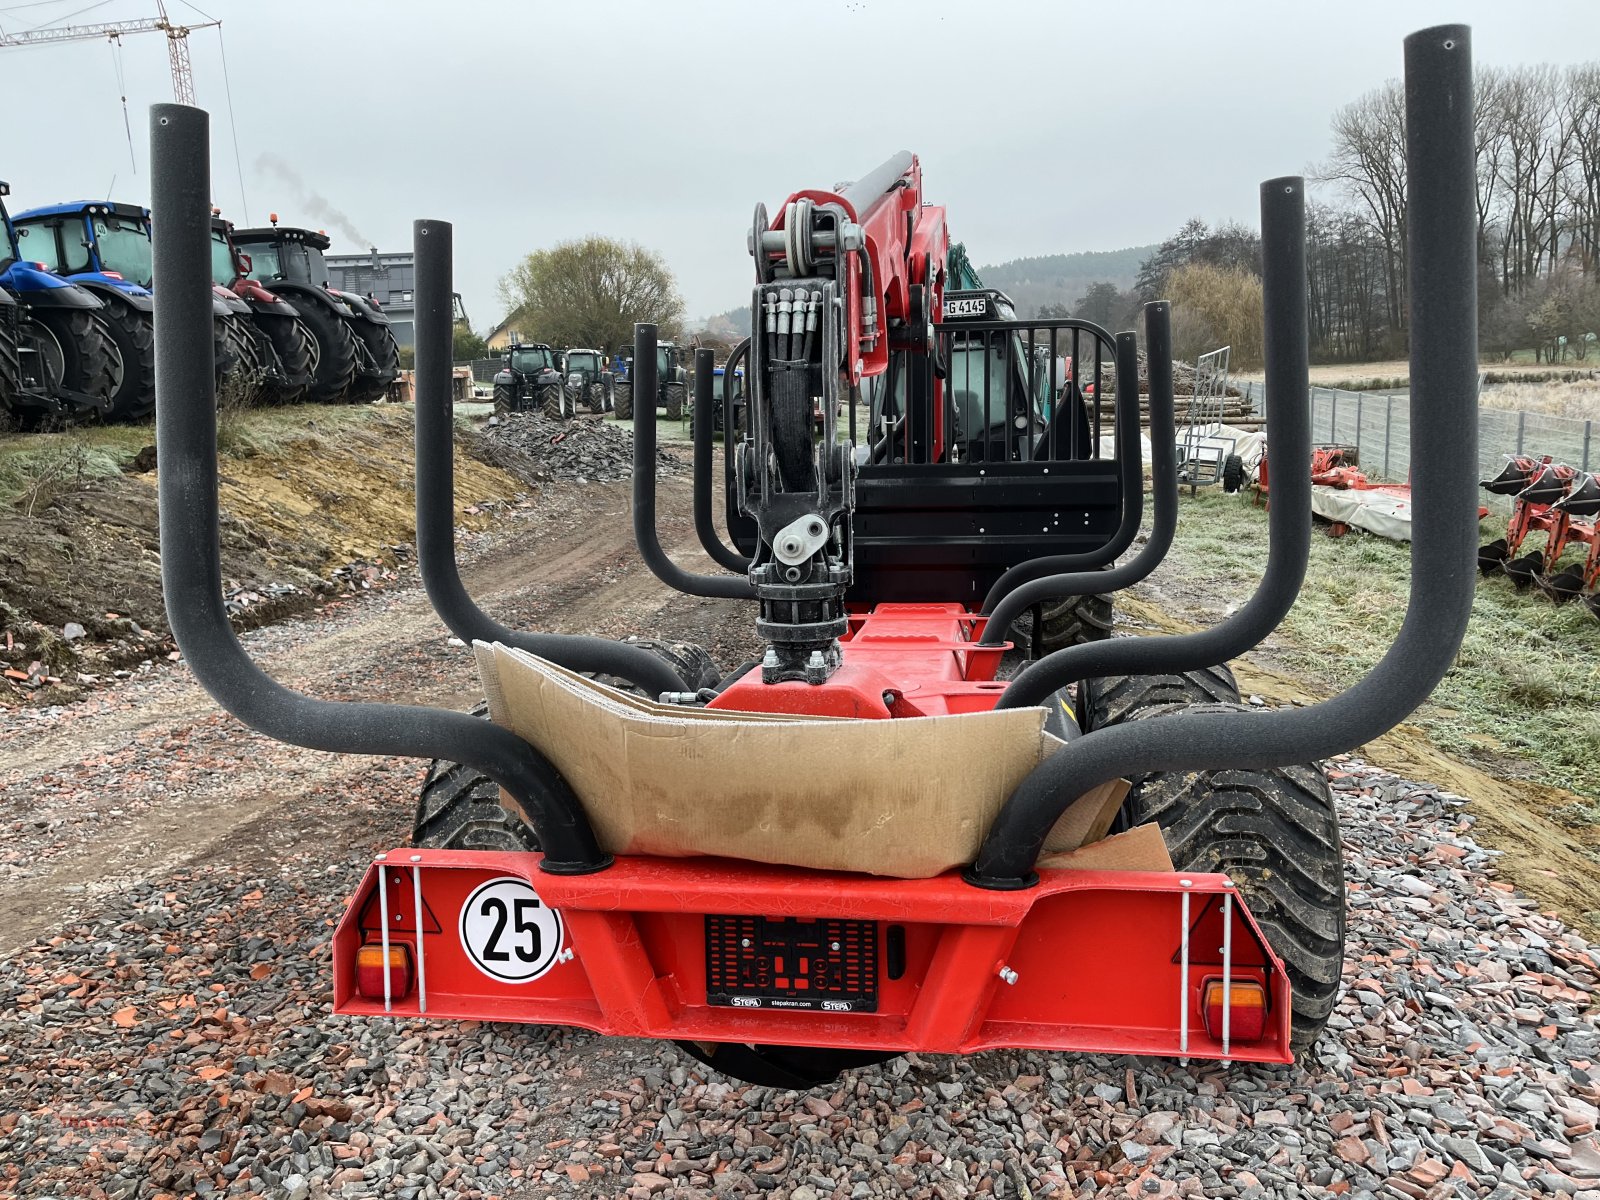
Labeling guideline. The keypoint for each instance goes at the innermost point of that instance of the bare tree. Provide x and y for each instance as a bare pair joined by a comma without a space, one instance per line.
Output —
1369,161
1530,170
1581,123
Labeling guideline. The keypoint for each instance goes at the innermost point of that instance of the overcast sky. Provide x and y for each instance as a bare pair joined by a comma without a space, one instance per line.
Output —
1045,127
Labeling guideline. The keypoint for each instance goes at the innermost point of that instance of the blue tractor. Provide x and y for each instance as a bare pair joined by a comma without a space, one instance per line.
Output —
58,358
104,249
105,246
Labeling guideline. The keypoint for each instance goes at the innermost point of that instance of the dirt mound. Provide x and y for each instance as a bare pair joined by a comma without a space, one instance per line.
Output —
584,449
321,512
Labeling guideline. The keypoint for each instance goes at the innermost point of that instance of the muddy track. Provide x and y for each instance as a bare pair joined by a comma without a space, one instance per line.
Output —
150,775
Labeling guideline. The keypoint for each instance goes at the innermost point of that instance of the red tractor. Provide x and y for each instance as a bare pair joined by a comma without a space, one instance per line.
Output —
282,343
900,504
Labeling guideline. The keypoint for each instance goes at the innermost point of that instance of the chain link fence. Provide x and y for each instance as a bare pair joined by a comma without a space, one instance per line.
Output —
1379,424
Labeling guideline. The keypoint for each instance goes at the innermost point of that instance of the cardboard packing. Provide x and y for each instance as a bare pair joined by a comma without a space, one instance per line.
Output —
906,798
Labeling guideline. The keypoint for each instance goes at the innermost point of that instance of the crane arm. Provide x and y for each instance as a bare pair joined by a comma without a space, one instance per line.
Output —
106,29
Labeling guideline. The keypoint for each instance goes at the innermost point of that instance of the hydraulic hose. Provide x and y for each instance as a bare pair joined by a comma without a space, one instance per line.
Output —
1442,300
191,560
646,379
1283,219
1163,485
705,527
436,536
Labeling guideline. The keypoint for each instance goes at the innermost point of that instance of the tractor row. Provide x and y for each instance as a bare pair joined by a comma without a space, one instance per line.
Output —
76,318
538,378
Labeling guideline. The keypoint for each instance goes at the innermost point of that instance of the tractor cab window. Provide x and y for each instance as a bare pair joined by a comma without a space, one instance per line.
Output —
294,260
223,271
264,261
36,242
316,268
74,243
530,361
124,246
582,362
663,360
980,384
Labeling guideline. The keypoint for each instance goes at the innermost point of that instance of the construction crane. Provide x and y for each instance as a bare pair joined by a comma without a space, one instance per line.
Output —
177,42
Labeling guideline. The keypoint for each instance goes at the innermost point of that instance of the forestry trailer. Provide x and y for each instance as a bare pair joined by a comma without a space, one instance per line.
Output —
893,515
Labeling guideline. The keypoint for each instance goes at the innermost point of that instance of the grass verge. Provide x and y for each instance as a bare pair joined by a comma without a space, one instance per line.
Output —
35,468
1525,686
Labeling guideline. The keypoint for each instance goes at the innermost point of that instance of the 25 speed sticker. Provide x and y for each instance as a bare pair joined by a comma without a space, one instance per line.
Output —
508,932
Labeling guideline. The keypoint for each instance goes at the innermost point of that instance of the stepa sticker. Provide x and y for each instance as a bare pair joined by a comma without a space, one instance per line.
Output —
508,932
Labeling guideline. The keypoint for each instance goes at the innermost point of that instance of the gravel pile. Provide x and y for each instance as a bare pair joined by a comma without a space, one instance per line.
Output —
180,1043
584,449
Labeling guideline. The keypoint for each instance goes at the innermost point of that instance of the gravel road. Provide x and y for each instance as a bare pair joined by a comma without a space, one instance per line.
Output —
170,883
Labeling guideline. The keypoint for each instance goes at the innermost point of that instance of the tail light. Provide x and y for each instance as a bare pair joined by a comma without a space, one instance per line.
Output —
112,274
372,970
1242,1005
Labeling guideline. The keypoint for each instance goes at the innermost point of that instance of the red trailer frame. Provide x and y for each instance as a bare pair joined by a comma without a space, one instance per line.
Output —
1053,967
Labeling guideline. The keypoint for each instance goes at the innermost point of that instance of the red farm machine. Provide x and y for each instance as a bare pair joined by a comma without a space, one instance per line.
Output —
901,500
1563,503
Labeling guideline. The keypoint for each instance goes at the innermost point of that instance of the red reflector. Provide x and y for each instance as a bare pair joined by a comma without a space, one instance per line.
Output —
1247,1009
370,971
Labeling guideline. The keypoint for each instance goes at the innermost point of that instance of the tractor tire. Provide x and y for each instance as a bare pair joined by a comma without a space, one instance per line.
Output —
1073,620
553,402
1275,833
10,354
297,355
1113,699
135,335
673,400
505,400
336,354
624,406
459,809
238,366
691,661
1233,474
90,361
385,352
596,398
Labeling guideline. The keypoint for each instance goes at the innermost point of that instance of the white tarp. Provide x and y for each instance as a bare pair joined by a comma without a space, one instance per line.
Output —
1384,513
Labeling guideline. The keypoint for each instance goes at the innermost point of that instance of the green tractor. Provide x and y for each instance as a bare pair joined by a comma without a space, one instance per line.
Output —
672,387
529,380
588,382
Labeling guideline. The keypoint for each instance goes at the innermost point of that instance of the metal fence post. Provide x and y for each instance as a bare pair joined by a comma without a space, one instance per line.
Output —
1522,421
1359,430
1388,426
1588,428
1333,420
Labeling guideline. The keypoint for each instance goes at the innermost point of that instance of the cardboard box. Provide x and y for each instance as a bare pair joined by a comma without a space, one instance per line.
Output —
907,798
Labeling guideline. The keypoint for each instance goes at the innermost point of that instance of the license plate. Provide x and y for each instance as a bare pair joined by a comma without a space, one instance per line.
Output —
966,306
792,962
